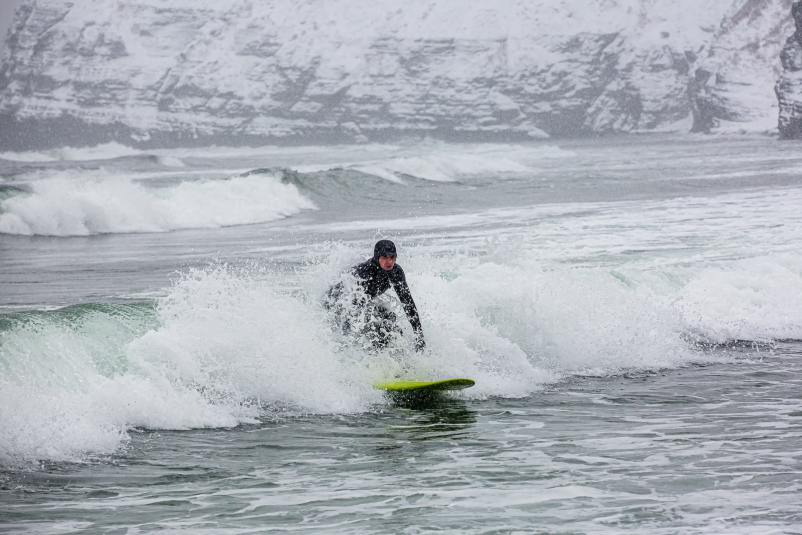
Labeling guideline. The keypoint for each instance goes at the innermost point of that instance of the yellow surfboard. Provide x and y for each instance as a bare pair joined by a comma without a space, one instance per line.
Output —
457,383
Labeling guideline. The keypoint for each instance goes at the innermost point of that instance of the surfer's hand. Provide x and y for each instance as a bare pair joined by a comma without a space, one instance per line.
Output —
420,344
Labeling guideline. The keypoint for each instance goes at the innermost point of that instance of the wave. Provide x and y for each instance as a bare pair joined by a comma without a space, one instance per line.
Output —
231,345
213,353
448,166
440,162
70,387
70,205
755,299
427,160
106,151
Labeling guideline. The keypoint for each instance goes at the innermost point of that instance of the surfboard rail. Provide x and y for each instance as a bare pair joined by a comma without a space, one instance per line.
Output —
455,383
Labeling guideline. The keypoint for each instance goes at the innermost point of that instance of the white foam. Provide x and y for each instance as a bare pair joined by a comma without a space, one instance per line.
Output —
449,167
229,342
379,171
513,325
756,298
170,161
67,388
236,331
599,288
43,423
440,162
69,205
427,160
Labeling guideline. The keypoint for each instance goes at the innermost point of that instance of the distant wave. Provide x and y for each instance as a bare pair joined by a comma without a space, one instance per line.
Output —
448,163
430,160
67,205
107,151
448,167
444,168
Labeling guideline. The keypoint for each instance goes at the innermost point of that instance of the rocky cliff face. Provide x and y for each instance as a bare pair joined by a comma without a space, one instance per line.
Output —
789,86
180,72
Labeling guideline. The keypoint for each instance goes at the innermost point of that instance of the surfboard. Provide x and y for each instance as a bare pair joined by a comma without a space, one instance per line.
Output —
457,383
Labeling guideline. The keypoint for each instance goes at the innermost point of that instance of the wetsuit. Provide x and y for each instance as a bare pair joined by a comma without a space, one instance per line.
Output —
374,281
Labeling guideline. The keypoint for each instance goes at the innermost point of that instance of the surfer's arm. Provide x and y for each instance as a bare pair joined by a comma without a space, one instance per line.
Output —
405,296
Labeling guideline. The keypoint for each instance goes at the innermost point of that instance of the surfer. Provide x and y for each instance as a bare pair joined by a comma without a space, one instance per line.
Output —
374,277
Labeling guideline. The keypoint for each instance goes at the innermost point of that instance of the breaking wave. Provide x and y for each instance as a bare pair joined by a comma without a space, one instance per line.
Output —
231,345
67,205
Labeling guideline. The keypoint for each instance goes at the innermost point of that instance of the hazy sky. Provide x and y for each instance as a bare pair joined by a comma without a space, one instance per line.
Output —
7,8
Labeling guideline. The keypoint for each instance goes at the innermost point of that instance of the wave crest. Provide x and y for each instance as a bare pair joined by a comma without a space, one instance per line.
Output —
69,206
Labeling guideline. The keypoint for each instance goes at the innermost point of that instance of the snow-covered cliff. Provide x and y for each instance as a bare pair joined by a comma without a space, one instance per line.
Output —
154,72
789,86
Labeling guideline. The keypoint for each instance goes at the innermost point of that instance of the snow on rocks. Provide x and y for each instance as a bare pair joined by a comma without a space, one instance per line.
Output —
186,72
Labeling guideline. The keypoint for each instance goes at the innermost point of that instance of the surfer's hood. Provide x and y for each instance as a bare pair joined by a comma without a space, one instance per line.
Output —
384,248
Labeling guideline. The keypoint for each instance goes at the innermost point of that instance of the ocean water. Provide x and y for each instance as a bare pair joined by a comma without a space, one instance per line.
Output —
631,311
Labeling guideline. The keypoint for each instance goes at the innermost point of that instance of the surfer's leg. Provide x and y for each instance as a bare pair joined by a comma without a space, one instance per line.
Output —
384,326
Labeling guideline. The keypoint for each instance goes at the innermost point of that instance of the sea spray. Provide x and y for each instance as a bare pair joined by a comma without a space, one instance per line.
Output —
237,331
754,299
233,344
215,352
513,325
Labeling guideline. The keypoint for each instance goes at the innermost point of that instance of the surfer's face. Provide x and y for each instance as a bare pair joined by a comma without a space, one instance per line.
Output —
387,262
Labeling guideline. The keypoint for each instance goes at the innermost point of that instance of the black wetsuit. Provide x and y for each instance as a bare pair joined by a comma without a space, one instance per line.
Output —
374,281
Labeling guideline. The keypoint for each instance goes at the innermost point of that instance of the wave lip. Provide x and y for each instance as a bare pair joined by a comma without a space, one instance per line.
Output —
68,206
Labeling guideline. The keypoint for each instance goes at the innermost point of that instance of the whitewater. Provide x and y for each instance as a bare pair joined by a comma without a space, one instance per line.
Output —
631,311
